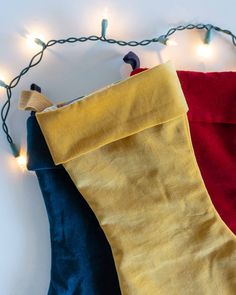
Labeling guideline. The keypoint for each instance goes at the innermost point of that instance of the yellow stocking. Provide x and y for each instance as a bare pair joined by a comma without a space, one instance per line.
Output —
128,150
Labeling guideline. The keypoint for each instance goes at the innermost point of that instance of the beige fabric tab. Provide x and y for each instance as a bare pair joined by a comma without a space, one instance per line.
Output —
31,100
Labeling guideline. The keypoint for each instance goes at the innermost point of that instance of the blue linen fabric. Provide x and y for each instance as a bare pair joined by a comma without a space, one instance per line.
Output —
82,261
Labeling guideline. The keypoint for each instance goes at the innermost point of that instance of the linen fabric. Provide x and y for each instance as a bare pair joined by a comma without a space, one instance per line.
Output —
81,258
212,119
129,152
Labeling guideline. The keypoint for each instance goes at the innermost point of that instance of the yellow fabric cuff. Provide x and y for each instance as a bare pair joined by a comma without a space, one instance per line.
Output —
144,100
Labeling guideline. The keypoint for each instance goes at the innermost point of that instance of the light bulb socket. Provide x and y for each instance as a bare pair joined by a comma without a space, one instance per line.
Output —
3,84
15,150
39,42
208,36
104,27
163,40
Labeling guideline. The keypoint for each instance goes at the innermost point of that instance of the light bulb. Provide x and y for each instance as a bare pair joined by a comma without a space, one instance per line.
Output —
168,42
21,161
2,78
204,50
34,40
105,13
2,81
171,42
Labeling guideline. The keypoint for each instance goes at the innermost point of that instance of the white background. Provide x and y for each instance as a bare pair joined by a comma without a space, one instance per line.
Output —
69,71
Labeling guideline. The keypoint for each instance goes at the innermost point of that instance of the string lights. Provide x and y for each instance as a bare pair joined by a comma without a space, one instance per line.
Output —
33,40
3,84
104,23
2,81
203,50
208,35
164,40
21,161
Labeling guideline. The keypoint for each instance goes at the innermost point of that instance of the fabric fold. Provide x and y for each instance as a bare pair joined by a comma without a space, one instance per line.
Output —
153,98
210,95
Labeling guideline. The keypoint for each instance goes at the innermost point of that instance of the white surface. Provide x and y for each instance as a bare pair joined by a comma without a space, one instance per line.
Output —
69,71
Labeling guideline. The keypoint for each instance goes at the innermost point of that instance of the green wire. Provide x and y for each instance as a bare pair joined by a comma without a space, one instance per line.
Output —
36,59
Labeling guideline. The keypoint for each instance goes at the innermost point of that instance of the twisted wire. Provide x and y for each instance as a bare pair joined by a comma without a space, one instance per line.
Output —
36,59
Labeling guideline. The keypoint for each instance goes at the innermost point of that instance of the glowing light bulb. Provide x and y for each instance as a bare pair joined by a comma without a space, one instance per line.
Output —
204,50
168,42
2,77
171,42
21,161
34,40
105,13
2,81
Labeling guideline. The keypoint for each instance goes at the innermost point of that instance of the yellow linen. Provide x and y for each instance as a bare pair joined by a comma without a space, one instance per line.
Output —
128,150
